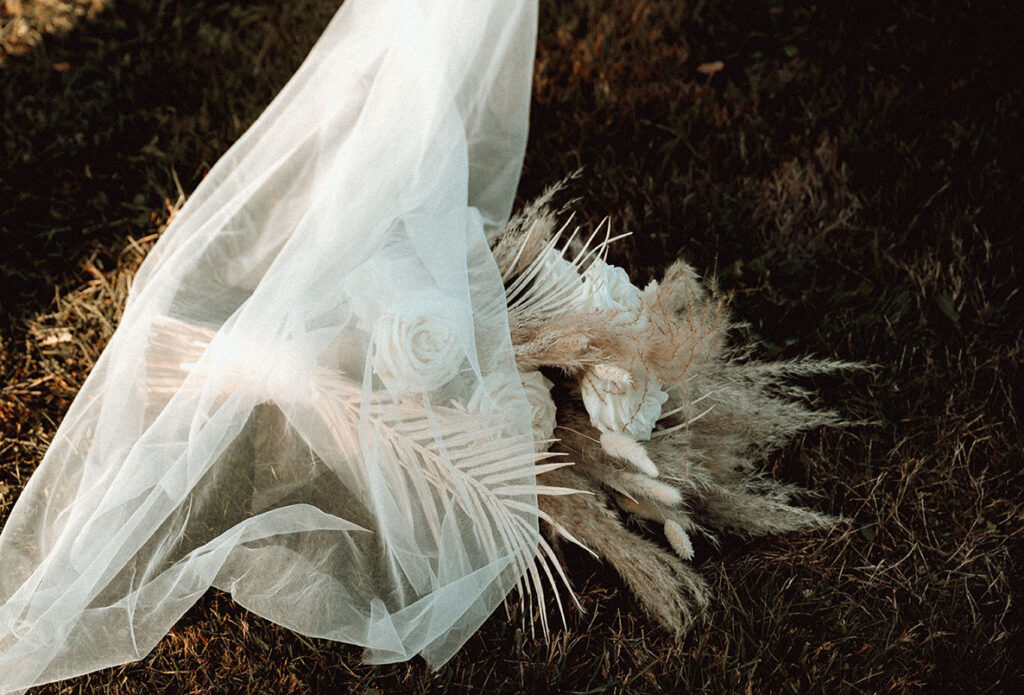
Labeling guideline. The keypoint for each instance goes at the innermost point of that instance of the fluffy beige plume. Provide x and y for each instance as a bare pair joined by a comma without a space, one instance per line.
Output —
625,448
687,325
678,539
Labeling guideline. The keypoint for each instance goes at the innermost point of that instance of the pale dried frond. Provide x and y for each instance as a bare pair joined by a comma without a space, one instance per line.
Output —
551,286
425,457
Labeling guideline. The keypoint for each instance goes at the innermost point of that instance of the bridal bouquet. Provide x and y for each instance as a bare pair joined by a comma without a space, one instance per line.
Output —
653,416
640,410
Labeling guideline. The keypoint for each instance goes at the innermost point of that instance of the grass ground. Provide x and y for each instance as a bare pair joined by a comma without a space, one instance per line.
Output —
850,172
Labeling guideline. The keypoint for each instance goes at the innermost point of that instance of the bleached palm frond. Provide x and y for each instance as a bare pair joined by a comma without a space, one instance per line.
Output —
424,458
443,455
174,345
550,284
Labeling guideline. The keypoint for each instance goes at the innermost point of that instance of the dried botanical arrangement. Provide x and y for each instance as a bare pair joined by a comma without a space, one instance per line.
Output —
640,408
655,416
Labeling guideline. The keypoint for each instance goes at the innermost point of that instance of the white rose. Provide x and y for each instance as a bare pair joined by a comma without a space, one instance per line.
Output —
621,404
490,398
542,408
609,287
416,348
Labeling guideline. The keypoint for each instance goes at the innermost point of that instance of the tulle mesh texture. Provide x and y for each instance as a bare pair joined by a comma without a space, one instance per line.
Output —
285,411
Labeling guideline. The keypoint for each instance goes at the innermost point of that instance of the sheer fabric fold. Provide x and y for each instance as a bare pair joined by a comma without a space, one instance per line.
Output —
287,410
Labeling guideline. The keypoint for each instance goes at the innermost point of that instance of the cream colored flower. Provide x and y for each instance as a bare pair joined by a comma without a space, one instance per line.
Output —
416,348
493,395
618,406
609,288
542,408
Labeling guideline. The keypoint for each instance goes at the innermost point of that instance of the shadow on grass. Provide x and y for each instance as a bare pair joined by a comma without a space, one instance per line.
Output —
97,122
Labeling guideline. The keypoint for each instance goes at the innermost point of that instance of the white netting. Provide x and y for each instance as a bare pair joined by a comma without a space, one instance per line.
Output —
284,412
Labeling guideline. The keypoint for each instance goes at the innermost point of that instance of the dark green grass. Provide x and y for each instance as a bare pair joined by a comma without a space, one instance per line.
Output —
852,176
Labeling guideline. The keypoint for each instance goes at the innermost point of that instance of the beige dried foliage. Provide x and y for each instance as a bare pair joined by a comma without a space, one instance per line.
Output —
669,590
698,474
572,342
686,324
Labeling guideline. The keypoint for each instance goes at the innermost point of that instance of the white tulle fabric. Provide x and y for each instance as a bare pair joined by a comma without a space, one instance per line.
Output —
284,411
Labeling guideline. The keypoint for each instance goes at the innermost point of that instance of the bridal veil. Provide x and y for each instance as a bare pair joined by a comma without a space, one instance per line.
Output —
290,410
